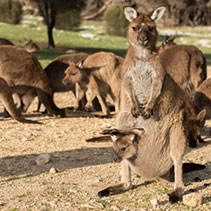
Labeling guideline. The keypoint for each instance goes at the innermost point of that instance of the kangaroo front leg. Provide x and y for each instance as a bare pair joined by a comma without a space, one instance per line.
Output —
90,97
80,92
123,186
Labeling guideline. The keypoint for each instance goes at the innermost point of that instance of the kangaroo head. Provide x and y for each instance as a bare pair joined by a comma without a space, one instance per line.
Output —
142,29
74,73
125,143
31,46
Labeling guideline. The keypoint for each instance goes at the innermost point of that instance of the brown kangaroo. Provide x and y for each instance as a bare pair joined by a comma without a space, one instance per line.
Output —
186,64
30,46
133,149
7,100
99,73
153,101
24,74
202,98
56,73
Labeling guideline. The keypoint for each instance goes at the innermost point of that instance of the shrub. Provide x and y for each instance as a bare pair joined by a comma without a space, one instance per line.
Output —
10,11
68,20
115,21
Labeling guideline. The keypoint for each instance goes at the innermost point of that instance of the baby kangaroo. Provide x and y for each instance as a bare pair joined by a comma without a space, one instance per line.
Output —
135,153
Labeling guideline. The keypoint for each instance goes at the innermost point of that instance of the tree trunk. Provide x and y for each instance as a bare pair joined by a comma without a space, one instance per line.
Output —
50,37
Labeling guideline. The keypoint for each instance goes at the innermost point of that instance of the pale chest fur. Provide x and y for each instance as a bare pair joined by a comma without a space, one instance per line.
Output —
142,74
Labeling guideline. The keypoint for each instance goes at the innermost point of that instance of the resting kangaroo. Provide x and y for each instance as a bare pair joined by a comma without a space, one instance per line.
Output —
186,64
30,46
24,74
136,153
7,100
153,101
99,73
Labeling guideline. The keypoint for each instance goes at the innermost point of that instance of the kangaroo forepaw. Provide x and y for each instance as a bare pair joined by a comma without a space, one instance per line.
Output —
135,112
174,197
147,113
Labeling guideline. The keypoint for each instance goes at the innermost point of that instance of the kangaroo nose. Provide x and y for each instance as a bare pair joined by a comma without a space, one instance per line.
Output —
143,40
65,81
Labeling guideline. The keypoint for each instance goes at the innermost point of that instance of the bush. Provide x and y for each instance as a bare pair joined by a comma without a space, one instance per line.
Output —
10,11
115,21
68,20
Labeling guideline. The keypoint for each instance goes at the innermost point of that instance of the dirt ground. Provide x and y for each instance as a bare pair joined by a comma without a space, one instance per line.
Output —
83,168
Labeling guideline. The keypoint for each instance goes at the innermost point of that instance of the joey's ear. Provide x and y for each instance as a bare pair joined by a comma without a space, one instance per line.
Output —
114,138
157,14
130,13
201,117
172,38
138,131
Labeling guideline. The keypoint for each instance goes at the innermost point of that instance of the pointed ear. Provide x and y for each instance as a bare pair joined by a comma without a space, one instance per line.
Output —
157,14
114,138
138,131
201,117
130,13
80,64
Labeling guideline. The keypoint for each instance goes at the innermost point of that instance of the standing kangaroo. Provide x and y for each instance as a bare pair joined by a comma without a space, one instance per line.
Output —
153,101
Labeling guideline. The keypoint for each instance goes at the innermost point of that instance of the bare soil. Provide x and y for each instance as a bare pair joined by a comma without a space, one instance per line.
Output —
83,168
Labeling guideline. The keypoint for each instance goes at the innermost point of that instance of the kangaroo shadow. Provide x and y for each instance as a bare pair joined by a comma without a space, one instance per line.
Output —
22,166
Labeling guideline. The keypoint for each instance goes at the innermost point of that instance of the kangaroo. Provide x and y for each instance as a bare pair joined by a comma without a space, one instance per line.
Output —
186,64
137,154
202,98
30,46
56,73
7,100
152,100
23,73
99,73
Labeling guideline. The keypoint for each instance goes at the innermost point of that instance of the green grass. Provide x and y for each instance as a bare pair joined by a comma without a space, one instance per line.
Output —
65,40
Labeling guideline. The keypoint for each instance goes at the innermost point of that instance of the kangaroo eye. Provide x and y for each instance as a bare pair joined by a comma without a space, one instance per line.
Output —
134,28
151,29
73,73
123,149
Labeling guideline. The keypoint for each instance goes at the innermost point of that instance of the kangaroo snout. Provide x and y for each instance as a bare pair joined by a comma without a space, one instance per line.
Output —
117,159
65,81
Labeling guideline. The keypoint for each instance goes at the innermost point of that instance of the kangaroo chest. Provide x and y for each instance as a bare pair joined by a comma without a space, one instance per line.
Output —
142,75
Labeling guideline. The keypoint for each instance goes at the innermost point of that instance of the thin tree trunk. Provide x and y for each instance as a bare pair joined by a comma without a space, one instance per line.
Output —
51,43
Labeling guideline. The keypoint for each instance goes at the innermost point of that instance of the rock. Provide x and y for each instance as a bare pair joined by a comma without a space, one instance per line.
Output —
154,202
43,159
192,199
53,170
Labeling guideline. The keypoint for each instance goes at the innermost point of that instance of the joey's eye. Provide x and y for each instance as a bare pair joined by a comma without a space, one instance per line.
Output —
123,149
134,28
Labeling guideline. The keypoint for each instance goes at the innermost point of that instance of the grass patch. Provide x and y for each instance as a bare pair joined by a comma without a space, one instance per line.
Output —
90,38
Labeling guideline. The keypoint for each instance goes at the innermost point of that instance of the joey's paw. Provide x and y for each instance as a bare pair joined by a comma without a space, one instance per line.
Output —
174,197
103,193
87,108
135,111
147,113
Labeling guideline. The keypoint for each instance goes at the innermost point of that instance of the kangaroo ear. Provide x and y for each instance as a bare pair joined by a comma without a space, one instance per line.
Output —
114,138
157,14
201,116
138,131
130,13
80,64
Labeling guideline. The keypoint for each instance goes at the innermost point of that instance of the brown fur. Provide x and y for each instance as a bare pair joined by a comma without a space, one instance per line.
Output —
55,72
99,73
153,101
134,151
202,98
23,72
7,100
186,64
